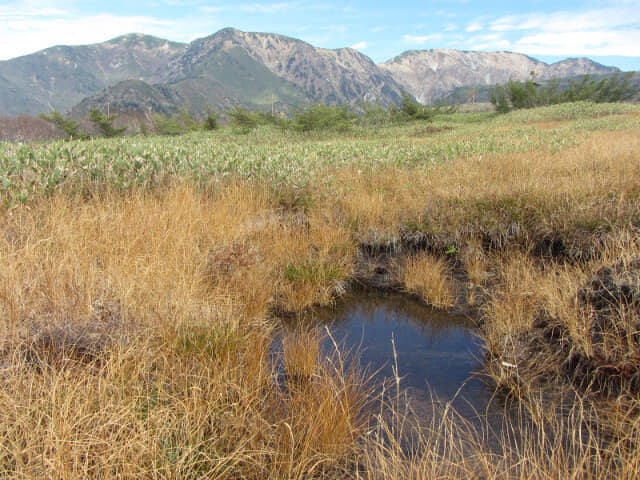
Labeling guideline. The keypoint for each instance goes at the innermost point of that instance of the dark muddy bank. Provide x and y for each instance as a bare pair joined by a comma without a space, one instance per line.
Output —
547,354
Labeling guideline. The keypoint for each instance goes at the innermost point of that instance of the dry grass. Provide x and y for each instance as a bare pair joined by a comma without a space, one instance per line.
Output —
136,333
178,382
301,352
428,277
541,444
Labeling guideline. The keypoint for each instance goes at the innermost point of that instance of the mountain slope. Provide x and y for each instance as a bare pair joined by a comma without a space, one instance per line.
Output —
134,97
576,66
343,76
430,74
15,100
261,70
220,74
257,70
59,77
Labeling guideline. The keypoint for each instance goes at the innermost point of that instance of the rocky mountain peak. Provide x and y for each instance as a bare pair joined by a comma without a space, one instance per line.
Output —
429,74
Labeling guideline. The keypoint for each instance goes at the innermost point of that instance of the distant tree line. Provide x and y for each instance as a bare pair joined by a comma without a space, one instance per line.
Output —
181,122
515,95
317,117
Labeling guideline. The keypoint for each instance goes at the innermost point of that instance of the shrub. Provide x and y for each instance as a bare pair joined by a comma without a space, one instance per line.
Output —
210,122
164,125
142,127
498,96
243,119
375,114
323,117
186,120
412,110
524,94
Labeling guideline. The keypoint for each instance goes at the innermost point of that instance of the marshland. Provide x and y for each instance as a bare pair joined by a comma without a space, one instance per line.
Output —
161,298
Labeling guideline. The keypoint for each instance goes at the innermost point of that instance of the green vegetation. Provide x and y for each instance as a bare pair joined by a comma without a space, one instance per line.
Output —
187,120
210,121
314,118
288,157
244,120
178,124
104,123
517,95
333,118
68,126
412,110
323,117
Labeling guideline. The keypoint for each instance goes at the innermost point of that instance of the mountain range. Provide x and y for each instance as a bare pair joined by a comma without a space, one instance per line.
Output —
139,73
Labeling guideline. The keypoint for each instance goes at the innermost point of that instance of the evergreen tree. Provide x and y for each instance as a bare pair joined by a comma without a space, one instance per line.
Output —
104,123
68,126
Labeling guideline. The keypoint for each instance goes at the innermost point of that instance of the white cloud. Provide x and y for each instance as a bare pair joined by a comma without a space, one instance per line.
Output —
271,8
474,27
40,8
265,8
209,9
611,17
592,42
360,46
24,35
604,31
26,28
421,39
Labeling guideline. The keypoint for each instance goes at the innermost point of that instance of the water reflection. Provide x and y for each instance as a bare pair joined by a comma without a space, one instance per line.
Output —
438,354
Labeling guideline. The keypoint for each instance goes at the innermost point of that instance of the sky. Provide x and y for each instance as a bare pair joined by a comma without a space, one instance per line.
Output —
607,31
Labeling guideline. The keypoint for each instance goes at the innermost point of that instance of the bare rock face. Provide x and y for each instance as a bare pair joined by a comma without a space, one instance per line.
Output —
575,66
342,76
430,74
334,76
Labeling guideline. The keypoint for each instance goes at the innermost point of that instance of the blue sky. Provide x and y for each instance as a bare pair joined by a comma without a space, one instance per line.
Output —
607,31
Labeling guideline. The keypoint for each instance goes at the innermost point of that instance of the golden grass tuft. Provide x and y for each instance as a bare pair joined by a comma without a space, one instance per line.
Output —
301,353
429,278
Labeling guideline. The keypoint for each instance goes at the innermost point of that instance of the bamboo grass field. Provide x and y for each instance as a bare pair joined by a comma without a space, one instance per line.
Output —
143,280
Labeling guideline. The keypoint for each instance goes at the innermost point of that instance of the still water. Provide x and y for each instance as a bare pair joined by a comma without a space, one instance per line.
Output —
438,354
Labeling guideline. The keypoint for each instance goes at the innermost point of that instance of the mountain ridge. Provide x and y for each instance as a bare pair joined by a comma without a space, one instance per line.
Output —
253,69
428,74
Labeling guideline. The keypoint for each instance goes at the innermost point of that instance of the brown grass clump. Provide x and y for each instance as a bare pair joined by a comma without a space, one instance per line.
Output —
301,352
313,264
556,322
135,342
428,277
476,263
556,204
323,442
